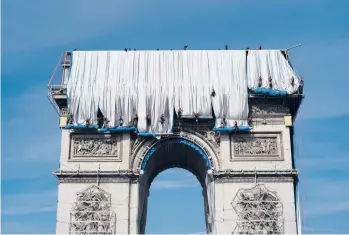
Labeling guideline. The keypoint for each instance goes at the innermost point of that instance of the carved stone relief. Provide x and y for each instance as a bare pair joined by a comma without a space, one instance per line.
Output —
256,147
95,147
213,137
136,144
259,211
268,109
92,213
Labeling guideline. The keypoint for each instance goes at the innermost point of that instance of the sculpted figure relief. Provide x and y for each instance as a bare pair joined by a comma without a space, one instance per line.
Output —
270,109
95,147
213,137
253,146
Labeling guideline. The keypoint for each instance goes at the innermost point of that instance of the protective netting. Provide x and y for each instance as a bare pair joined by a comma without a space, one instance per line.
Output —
259,211
92,213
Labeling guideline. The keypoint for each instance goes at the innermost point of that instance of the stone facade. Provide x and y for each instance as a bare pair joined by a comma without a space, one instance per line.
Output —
112,163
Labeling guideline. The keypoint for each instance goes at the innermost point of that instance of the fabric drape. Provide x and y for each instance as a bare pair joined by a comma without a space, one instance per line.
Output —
265,63
155,84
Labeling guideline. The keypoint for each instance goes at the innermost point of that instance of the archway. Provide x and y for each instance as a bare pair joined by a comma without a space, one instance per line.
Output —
175,204
192,154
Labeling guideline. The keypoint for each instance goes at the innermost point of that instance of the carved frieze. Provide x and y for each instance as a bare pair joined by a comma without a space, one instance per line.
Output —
95,147
269,109
256,147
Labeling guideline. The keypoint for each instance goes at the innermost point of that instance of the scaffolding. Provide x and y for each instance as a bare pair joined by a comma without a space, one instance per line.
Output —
92,213
259,211
57,85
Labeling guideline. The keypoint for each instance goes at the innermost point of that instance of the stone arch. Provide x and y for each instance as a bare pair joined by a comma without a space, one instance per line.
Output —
185,150
92,212
142,147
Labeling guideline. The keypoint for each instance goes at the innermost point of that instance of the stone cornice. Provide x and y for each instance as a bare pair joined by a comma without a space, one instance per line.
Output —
125,176
256,176
93,176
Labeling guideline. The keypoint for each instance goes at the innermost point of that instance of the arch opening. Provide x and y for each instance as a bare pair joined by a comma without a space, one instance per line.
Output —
176,153
175,204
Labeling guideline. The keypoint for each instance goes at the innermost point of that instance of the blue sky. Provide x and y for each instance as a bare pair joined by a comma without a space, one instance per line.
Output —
34,34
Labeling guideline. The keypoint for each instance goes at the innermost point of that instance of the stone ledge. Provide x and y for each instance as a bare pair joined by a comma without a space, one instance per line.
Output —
256,176
93,176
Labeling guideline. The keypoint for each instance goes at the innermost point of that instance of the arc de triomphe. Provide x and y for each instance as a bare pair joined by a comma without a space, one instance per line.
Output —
248,177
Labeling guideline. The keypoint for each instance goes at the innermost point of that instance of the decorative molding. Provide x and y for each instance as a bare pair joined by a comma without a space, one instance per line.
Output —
96,180
258,179
95,148
121,176
86,173
135,145
141,150
232,176
138,143
184,141
256,147
214,138
209,137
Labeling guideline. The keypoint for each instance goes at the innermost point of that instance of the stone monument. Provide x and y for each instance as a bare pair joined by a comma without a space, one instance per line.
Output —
248,177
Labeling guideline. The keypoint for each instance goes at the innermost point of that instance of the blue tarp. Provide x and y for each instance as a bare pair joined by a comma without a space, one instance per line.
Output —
81,127
270,92
146,134
119,129
232,129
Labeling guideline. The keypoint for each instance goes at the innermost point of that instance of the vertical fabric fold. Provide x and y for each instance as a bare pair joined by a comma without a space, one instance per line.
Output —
262,64
228,77
152,84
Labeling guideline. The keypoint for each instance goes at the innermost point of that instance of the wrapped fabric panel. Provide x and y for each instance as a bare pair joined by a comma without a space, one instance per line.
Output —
228,78
152,84
262,64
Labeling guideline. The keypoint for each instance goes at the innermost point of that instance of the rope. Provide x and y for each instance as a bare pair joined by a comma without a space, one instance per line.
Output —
293,67
55,70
